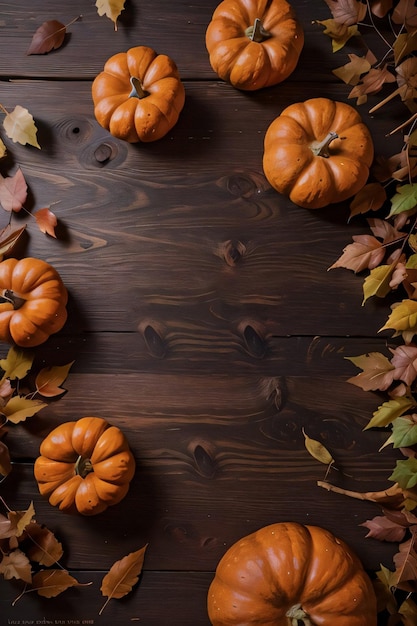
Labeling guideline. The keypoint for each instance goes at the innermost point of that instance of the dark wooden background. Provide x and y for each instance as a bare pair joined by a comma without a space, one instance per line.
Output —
202,318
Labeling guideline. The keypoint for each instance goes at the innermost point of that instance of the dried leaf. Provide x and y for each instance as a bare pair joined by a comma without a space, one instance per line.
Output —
21,519
3,149
351,72
384,529
122,576
338,33
405,562
9,238
347,12
377,374
378,282
46,549
408,612
110,8
19,408
46,221
13,191
365,252
52,582
388,411
20,127
317,450
16,565
49,380
405,13
370,198
17,363
405,44
49,36
405,362
372,83
403,319
5,461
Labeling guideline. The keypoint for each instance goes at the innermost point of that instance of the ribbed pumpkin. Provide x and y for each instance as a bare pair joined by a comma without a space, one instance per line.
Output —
288,573
84,466
33,301
139,95
254,43
318,152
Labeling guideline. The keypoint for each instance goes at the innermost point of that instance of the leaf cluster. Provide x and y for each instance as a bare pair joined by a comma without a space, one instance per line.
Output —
20,398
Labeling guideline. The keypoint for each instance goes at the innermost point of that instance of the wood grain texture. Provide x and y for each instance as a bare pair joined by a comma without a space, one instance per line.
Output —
202,318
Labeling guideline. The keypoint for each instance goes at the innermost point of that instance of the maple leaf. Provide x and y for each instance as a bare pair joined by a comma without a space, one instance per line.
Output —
370,198
384,230
338,33
389,411
52,582
49,380
46,221
403,319
19,408
351,72
347,12
13,191
17,363
384,529
110,8
405,473
49,36
377,372
16,565
405,362
404,431
365,253
122,576
371,84
20,127
378,282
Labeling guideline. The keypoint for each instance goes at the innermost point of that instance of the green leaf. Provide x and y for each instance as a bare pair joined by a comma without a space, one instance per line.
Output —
404,200
377,283
389,411
404,432
411,263
17,363
405,473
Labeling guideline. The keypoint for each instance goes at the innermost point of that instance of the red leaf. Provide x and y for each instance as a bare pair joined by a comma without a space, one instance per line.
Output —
13,192
49,36
46,221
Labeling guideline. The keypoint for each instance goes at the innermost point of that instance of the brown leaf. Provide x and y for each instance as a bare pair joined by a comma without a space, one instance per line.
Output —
347,12
5,461
122,576
405,362
8,239
384,529
370,198
405,562
46,221
46,549
51,582
352,71
49,380
366,252
405,13
49,36
21,519
338,33
13,192
372,82
16,565
377,372
380,8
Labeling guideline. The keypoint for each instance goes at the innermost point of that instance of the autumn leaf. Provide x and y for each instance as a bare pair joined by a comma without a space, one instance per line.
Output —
5,460
49,36
404,44
405,562
17,363
317,450
404,200
49,380
408,612
405,473
110,8
20,127
365,252
388,411
46,549
405,13
377,372
351,72
338,33
13,191
347,12
19,408
404,431
403,319
9,238
122,576
370,198
21,519
52,582
405,362
46,221
384,529
378,282
16,565
3,149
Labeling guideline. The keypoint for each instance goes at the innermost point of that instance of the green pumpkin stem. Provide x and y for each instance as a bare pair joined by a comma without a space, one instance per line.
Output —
137,89
9,296
83,467
321,148
298,617
257,32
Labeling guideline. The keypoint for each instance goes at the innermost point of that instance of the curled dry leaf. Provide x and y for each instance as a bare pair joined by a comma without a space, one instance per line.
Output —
20,127
122,576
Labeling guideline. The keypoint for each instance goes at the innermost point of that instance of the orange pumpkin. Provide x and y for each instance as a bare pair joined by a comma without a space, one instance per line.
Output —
84,466
139,95
318,152
254,43
287,573
33,301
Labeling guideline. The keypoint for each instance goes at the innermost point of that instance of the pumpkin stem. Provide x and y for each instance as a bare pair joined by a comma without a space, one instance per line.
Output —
297,616
9,296
137,89
257,32
83,467
321,148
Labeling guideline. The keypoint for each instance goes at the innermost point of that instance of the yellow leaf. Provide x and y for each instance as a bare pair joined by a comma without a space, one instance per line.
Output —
378,282
110,8
19,408
403,318
17,363
389,411
20,127
3,149
123,574
21,519
49,380
317,450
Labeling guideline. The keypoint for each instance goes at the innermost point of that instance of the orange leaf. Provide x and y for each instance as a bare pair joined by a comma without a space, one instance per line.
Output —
123,574
51,582
49,380
13,191
370,198
46,221
9,238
